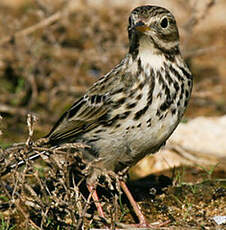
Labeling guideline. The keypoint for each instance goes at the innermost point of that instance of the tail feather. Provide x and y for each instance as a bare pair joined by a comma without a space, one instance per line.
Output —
19,164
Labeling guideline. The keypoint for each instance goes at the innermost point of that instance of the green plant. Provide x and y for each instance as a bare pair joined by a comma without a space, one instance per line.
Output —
179,177
124,211
209,171
5,226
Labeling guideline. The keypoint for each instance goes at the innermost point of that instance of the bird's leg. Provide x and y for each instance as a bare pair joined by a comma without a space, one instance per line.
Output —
95,197
142,220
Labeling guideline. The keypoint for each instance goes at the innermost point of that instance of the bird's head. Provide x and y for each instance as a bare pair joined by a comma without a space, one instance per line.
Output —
155,26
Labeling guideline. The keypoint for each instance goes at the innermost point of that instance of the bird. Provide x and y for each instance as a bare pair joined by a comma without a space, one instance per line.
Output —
131,111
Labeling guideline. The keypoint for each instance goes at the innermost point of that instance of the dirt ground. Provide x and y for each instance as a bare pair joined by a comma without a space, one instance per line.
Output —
64,50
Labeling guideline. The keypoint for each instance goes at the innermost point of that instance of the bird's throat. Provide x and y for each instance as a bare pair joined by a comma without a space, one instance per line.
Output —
148,59
149,55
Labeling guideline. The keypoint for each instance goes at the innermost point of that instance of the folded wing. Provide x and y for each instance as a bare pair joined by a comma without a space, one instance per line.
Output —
85,114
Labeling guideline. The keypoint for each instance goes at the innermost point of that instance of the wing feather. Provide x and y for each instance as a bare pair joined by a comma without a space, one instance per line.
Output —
92,109
81,117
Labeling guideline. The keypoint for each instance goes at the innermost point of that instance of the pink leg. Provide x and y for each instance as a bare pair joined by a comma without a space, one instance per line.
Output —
93,191
142,220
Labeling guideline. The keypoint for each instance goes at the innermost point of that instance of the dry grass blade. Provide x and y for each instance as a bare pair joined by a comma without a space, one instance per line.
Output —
49,197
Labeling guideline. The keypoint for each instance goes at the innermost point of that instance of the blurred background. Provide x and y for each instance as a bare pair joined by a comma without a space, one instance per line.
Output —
52,51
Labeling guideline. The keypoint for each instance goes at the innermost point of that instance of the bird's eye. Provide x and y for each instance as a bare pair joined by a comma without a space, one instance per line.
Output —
164,23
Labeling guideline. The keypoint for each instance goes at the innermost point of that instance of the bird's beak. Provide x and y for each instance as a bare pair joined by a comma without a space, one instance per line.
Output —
141,27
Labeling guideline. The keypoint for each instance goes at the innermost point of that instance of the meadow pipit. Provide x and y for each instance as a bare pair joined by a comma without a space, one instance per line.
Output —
132,110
